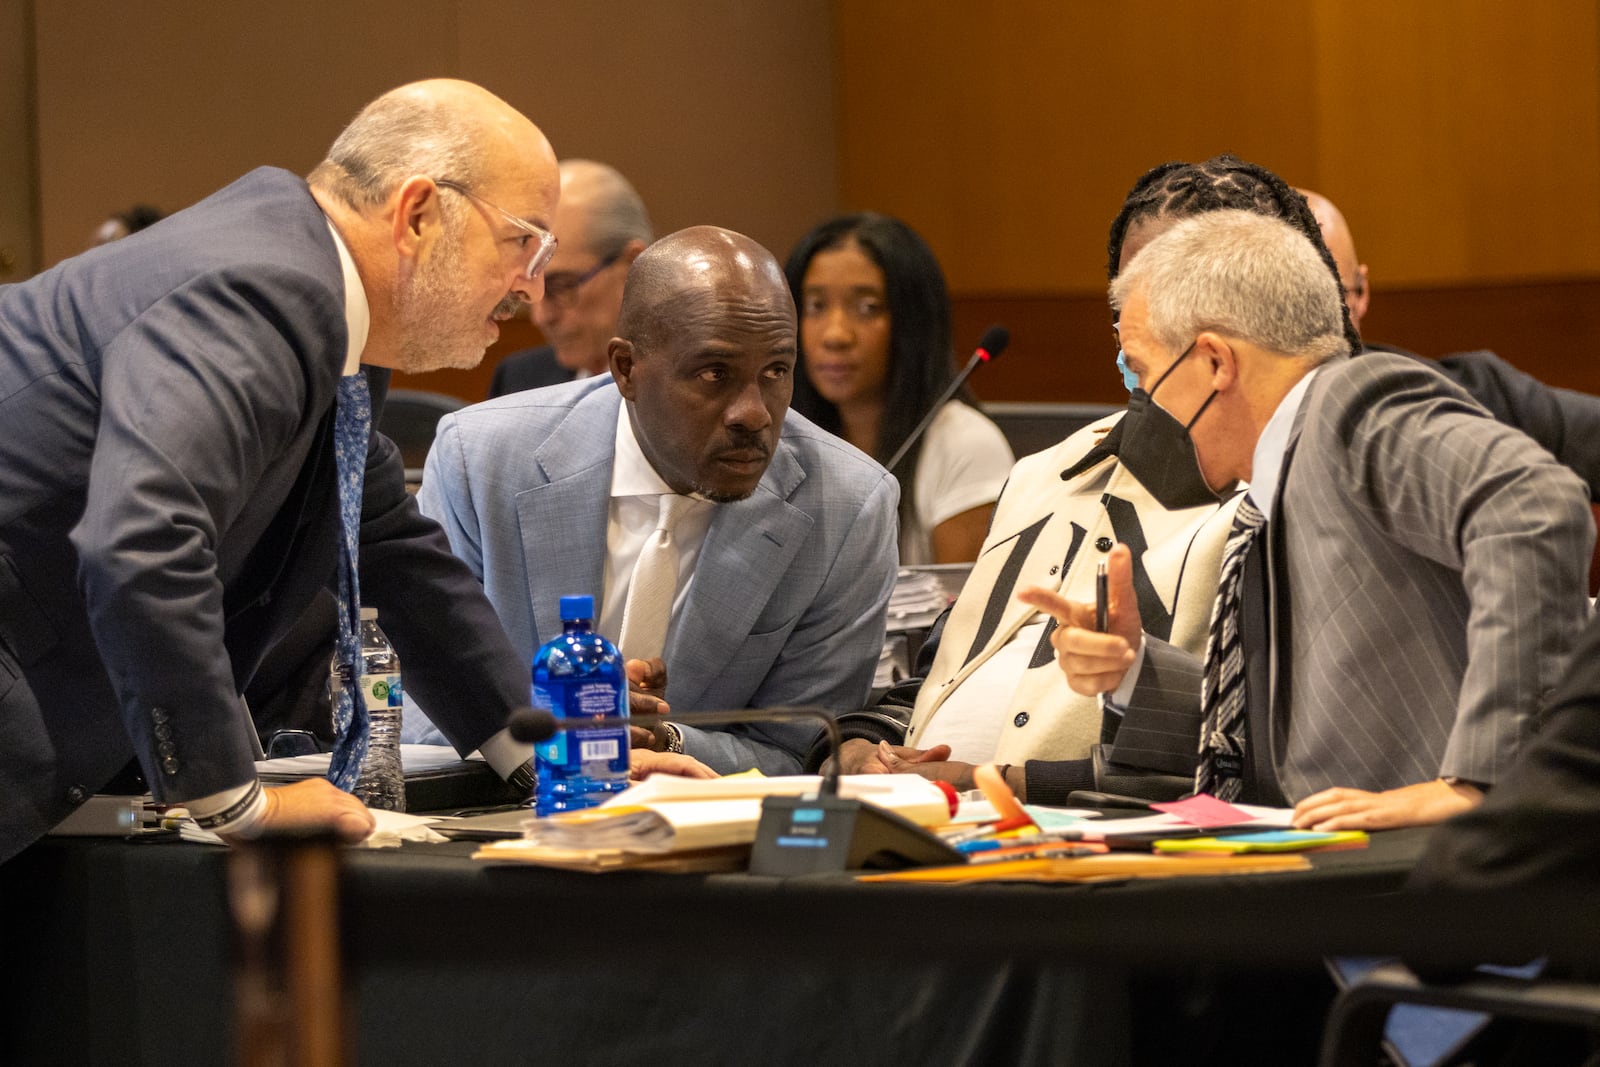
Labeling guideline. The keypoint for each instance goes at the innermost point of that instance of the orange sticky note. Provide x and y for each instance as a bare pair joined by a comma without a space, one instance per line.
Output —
1000,797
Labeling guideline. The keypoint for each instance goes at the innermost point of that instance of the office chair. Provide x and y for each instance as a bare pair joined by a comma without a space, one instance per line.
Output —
1356,1024
409,419
1031,427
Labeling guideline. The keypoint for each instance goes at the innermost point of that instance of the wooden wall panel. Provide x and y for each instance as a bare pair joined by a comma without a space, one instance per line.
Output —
1008,133
1462,140
719,111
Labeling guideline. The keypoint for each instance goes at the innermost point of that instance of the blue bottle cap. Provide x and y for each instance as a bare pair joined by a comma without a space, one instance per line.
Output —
577,607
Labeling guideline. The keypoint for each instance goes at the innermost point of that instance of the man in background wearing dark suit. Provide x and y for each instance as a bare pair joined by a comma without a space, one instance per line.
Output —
602,227
169,477
1565,422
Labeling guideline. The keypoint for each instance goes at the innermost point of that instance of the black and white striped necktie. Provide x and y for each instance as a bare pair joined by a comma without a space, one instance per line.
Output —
1222,691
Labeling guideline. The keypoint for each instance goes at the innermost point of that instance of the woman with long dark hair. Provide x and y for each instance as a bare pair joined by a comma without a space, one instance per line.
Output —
875,354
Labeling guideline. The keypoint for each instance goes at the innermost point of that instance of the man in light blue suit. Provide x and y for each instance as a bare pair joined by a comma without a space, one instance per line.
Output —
786,556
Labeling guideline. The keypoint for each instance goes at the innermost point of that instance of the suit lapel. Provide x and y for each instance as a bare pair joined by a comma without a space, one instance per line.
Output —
748,548
563,521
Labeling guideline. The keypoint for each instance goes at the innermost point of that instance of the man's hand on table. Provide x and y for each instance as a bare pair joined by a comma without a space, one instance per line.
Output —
313,802
642,763
1421,804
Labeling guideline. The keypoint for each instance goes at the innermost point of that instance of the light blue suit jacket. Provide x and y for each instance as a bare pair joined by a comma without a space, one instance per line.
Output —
789,593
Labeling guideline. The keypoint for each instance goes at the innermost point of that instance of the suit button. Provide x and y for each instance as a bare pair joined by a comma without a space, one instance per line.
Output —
170,765
1104,544
159,715
166,748
1021,720
162,731
77,795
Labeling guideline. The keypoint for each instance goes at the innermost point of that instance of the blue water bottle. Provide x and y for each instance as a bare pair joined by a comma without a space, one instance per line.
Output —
578,674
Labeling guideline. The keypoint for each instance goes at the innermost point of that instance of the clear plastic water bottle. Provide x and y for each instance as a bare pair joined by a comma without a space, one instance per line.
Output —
578,674
382,781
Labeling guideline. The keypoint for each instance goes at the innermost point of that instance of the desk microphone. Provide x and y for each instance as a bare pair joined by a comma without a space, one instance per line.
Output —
990,347
806,834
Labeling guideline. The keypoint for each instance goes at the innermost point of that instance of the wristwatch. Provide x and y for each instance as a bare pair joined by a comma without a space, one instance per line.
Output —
668,738
521,781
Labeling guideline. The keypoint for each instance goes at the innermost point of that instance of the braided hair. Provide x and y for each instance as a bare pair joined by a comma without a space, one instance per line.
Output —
1183,190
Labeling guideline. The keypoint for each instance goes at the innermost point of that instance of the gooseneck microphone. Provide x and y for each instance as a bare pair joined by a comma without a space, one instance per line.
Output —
990,347
533,725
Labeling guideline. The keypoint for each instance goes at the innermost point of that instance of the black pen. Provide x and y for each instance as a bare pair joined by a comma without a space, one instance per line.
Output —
1102,597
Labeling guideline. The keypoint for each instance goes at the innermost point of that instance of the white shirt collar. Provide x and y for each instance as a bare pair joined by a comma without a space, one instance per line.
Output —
1266,465
631,472
357,313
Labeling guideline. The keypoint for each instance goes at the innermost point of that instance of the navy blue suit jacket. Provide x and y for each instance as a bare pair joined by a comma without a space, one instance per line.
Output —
168,507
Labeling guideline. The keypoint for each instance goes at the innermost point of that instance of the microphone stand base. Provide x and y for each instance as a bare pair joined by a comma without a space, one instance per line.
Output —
820,834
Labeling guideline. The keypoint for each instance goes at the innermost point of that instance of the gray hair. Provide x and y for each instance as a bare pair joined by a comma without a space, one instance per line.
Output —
617,214
397,135
1244,275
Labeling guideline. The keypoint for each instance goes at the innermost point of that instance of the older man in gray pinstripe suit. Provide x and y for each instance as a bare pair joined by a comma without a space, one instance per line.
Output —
1418,585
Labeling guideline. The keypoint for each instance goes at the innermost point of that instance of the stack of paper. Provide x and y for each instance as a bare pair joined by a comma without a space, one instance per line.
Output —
917,599
666,815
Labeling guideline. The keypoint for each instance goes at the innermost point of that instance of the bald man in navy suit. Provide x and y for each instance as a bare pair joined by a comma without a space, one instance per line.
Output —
168,498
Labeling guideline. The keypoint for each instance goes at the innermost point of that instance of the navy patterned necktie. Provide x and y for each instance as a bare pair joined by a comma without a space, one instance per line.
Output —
352,426
1222,690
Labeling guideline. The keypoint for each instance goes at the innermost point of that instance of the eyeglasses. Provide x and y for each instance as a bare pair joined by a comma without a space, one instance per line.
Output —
546,240
561,288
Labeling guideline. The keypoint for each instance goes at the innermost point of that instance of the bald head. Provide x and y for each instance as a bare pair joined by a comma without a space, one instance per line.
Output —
689,272
442,128
705,358
1336,234
600,209
440,191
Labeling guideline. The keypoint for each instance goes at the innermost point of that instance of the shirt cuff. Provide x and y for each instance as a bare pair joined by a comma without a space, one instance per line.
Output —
504,754
232,811
1120,697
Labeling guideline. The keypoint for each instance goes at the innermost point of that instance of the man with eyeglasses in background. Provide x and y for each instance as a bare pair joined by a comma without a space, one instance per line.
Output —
602,227
186,461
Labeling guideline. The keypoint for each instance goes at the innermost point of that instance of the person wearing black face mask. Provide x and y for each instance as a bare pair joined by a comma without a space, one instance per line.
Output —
1410,573
1157,449
1128,489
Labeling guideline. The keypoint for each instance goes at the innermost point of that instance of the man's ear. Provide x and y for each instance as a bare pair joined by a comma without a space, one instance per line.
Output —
620,354
1220,357
1358,300
630,252
417,218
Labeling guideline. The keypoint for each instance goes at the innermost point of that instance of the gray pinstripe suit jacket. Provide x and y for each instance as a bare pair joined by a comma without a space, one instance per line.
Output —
789,594
1427,567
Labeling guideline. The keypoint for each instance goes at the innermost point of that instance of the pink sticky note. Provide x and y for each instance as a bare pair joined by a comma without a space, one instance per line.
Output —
1204,810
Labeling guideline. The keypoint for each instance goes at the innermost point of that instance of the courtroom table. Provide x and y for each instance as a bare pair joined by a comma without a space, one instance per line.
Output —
117,952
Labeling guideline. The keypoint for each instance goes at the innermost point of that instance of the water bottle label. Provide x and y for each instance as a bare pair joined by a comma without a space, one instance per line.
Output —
381,691
594,698
606,749
554,750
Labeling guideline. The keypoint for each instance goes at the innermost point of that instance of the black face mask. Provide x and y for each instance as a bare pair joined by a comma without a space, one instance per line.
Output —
1157,449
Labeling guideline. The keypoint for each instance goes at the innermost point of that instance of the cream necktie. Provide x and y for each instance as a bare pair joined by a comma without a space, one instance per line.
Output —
654,585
